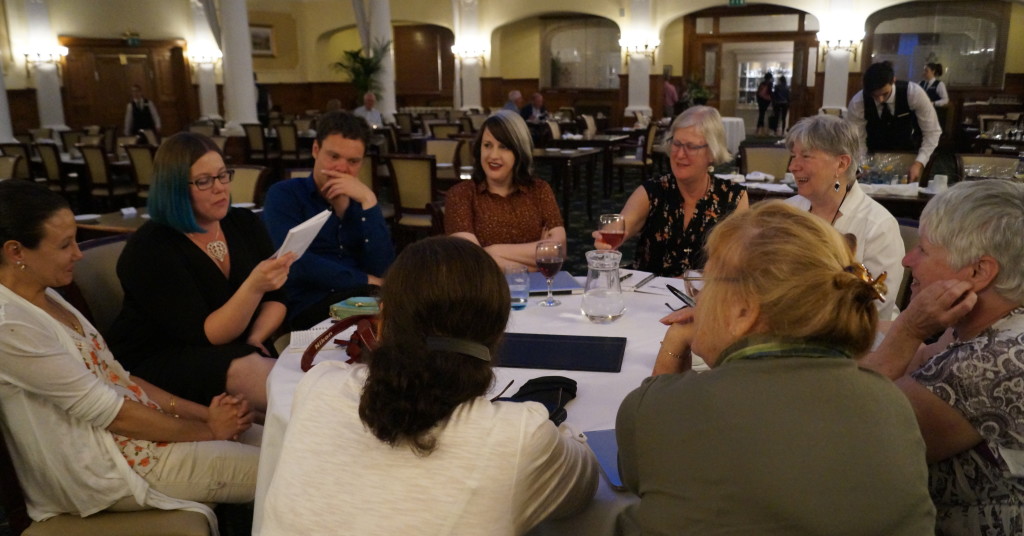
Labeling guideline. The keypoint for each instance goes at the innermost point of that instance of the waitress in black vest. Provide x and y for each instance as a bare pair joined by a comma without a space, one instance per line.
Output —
934,87
893,115
140,114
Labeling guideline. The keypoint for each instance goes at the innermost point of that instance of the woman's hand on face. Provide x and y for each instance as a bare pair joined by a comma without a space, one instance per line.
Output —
272,273
229,416
598,243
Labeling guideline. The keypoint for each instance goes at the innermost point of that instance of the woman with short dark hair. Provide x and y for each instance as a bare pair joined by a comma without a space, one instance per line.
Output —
409,443
201,304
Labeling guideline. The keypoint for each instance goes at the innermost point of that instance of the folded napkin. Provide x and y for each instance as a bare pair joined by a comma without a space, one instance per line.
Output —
898,190
759,176
770,187
734,177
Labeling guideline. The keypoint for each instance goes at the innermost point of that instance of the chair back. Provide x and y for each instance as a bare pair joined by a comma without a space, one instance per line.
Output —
92,130
298,173
96,278
21,170
556,130
7,165
568,113
985,166
302,124
404,121
478,121
141,157
206,129
591,130
443,131
124,141
288,137
41,134
87,139
243,186
652,134
151,137
96,164
221,141
466,122
254,137
413,183
443,150
69,138
466,158
771,160
50,156
109,139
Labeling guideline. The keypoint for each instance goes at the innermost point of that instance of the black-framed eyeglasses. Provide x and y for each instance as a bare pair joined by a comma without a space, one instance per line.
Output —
205,182
688,148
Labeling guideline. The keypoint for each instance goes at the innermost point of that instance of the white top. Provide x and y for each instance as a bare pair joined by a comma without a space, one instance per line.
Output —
128,117
499,468
879,244
372,117
919,103
54,419
940,88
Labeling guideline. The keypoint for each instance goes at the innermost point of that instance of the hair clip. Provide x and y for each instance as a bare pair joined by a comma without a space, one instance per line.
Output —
876,284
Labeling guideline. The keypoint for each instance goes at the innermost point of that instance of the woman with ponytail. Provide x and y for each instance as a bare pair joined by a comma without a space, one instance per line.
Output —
785,434
409,443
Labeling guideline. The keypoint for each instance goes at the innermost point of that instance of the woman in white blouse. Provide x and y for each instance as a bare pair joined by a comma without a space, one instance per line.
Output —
84,434
934,87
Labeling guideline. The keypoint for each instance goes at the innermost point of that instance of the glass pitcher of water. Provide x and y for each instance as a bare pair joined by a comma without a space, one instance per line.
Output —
602,294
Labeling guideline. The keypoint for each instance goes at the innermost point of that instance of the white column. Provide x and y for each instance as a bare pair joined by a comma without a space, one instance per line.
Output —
470,77
204,45
47,78
6,129
639,32
837,78
380,31
207,90
239,86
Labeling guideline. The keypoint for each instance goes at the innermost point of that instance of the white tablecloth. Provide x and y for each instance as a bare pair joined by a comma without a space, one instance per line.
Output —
735,132
598,398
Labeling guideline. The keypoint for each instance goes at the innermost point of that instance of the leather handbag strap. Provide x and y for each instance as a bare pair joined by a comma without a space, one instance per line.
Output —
327,336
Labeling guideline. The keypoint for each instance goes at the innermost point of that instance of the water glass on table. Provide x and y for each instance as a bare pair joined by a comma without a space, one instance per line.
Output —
518,285
612,229
549,257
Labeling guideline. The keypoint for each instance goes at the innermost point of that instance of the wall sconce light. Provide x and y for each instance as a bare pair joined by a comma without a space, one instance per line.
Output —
848,45
41,56
205,57
470,52
637,45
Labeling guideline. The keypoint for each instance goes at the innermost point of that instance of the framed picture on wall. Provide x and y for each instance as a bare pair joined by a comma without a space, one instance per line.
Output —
262,38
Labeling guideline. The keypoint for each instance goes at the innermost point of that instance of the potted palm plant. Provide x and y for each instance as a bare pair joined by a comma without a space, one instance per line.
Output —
697,91
362,68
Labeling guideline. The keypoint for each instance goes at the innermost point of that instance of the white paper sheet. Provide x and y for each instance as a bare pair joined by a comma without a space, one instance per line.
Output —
301,236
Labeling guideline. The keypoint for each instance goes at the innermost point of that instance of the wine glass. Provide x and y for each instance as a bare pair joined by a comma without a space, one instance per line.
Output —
550,255
612,229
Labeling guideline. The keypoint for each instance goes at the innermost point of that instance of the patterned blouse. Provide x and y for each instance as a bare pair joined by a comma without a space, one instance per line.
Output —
141,454
522,216
981,491
665,247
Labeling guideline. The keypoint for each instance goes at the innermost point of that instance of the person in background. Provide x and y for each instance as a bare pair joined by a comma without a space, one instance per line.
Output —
780,105
84,434
785,434
764,100
264,103
504,209
934,87
140,114
409,443
669,98
535,111
369,112
824,164
966,387
673,213
202,298
893,115
353,249
514,102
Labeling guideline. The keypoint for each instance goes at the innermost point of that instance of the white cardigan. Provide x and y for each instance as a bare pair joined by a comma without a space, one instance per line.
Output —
54,418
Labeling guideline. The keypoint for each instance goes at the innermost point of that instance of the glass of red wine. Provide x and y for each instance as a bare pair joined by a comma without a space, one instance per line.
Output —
549,256
612,229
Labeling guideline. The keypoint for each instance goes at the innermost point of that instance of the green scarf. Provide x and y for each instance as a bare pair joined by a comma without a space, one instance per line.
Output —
770,347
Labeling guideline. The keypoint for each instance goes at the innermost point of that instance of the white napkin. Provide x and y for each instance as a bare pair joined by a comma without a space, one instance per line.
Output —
129,212
759,176
899,190
770,186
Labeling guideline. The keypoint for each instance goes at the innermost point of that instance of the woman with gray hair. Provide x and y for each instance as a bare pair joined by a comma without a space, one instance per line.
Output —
824,165
674,213
504,209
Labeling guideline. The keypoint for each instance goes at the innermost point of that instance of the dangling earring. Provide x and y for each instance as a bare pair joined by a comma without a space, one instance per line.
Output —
836,186
711,169
21,265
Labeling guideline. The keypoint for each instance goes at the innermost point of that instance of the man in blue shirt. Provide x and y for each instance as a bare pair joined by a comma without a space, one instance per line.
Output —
353,249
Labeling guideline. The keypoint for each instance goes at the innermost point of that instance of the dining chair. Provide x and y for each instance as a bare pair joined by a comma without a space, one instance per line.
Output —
243,186
221,142
68,140
413,188
478,121
143,522
292,154
141,158
568,113
442,131
102,183
984,166
21,167
368,176
90,139
259,151
57,178
151,137
303,124
591,126
637,157
41,134
109,139
7,165
124,141
466,158
772,160
466,122
206,129
555,129
92,130
404,120
445,153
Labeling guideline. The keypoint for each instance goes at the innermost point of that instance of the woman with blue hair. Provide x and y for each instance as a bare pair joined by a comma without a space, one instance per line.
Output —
200,302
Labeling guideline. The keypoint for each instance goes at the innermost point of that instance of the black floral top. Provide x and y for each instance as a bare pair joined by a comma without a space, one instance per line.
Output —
665,247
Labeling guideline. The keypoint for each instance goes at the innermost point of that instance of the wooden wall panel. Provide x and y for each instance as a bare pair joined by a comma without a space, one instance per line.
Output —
24,109
424,65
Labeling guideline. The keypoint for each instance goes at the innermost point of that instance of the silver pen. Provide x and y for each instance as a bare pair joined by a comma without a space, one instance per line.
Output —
644,281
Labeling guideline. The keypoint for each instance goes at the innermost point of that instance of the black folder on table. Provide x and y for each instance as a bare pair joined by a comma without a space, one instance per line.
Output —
562,352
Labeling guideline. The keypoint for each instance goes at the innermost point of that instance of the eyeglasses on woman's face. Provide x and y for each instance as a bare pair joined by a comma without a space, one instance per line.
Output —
688,148
205,182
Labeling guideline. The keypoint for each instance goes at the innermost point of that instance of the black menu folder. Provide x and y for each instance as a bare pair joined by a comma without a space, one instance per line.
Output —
562,352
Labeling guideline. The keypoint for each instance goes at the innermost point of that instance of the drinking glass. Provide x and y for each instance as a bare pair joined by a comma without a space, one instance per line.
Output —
612,229
693,281
549,256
